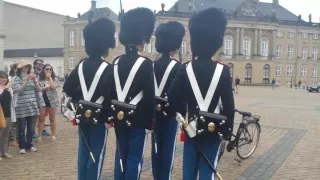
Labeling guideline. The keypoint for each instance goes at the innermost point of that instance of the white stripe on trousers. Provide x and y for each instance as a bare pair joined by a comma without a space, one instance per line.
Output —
144,148
173,152
101,153
216,162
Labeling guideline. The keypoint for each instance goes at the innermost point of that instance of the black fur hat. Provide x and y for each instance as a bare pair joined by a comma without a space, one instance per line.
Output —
207,29
137,26
169,36
99,37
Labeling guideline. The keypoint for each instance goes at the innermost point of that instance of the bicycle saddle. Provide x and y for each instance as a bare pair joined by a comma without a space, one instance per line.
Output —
244,113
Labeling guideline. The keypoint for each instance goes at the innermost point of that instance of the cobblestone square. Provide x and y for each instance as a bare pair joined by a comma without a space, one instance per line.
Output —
289,144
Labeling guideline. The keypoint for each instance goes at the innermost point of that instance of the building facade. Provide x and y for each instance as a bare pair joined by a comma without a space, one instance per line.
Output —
263,41
1,34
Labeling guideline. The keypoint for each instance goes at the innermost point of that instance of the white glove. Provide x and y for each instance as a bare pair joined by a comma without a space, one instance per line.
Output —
69,115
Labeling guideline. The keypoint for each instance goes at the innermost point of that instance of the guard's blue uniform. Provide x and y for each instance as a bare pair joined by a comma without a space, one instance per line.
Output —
203,85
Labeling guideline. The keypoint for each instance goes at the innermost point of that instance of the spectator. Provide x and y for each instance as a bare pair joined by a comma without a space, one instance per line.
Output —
48,99
8,112
24,86
237,83
273,83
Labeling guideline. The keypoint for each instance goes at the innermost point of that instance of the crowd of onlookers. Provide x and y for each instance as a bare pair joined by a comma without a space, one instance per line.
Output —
27,95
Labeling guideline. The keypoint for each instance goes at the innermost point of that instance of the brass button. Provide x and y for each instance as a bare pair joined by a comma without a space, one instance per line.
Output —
88,113
211,127
120,115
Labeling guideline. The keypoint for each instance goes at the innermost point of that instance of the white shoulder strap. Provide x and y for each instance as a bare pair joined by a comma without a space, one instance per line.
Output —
122,93
204,103
164,79
87,95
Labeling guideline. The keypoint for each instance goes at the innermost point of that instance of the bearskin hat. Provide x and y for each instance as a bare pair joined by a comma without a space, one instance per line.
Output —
169,36
207,29
99,37
136,26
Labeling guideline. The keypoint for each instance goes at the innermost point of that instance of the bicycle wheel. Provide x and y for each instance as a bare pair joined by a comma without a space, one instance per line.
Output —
62,105
246,137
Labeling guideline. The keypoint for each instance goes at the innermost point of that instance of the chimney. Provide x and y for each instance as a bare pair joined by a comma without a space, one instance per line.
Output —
78,15
93,4
275,3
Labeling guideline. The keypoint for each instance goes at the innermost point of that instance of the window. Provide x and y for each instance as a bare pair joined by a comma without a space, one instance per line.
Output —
266,73
72,36
291,35
183,47
289,70
71,63
246,46
248,73
279,34
315,36
304,54
288,83
279,52
314,53
304,35
231,69
116,35
264,47
278,70
303,71
228,45
290,52
314,71
82,39
60,71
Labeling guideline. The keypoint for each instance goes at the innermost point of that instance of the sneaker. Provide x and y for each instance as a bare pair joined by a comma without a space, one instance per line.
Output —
6,155
34,135
45,133
33,149
54,138
22,151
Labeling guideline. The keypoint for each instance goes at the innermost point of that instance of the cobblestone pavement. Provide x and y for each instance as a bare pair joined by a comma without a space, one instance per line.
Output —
289,146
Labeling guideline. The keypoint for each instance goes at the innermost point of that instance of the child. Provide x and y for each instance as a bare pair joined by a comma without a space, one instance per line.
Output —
9,114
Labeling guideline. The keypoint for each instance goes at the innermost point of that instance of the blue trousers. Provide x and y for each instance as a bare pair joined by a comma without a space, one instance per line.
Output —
132,144
166,135
194,162
23,144
96,136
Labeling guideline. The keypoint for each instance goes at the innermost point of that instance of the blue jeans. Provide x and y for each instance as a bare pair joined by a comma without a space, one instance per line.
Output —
194,162
96,137
23,144
166,136
132,145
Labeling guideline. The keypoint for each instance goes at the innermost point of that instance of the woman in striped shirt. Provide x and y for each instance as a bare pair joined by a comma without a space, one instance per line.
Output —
24,86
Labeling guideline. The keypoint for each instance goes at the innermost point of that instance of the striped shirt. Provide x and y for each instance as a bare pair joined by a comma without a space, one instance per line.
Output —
26,101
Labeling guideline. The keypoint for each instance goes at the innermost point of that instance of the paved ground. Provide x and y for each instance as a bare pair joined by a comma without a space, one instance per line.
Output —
289,147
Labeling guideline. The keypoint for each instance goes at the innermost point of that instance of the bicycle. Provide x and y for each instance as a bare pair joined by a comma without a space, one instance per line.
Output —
248,138
63,103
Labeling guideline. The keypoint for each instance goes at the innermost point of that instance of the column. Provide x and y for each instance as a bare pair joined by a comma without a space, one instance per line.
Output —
241,41
1,34
237,40
256,41
273,45
259,42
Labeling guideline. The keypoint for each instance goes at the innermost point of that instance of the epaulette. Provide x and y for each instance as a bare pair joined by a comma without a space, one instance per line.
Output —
175,60
220,62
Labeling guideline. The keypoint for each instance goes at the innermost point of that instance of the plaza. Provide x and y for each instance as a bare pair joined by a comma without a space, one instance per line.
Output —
289,144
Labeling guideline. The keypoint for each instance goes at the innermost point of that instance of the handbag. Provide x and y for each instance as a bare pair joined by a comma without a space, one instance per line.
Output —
3,123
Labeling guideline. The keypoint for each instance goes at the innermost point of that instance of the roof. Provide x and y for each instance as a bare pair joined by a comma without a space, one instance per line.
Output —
99,13
44,52
231,6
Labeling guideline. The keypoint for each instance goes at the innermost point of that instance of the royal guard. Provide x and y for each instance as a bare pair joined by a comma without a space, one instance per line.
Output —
202,93
88,85
168,41
133,96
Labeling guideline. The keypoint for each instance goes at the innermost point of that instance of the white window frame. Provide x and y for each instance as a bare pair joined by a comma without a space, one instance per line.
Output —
278,70
246,46
290,51
304,35
303,71
183,47
279,51
304,53
315,36
314,71
289,70
264,47
82,39
291,35
279,34
71,63
228,45
314,53
72,38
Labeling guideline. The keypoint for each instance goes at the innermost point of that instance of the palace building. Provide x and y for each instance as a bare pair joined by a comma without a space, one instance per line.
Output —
263,40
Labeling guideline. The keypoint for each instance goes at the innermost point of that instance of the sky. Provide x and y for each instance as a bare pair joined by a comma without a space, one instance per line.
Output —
72,7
